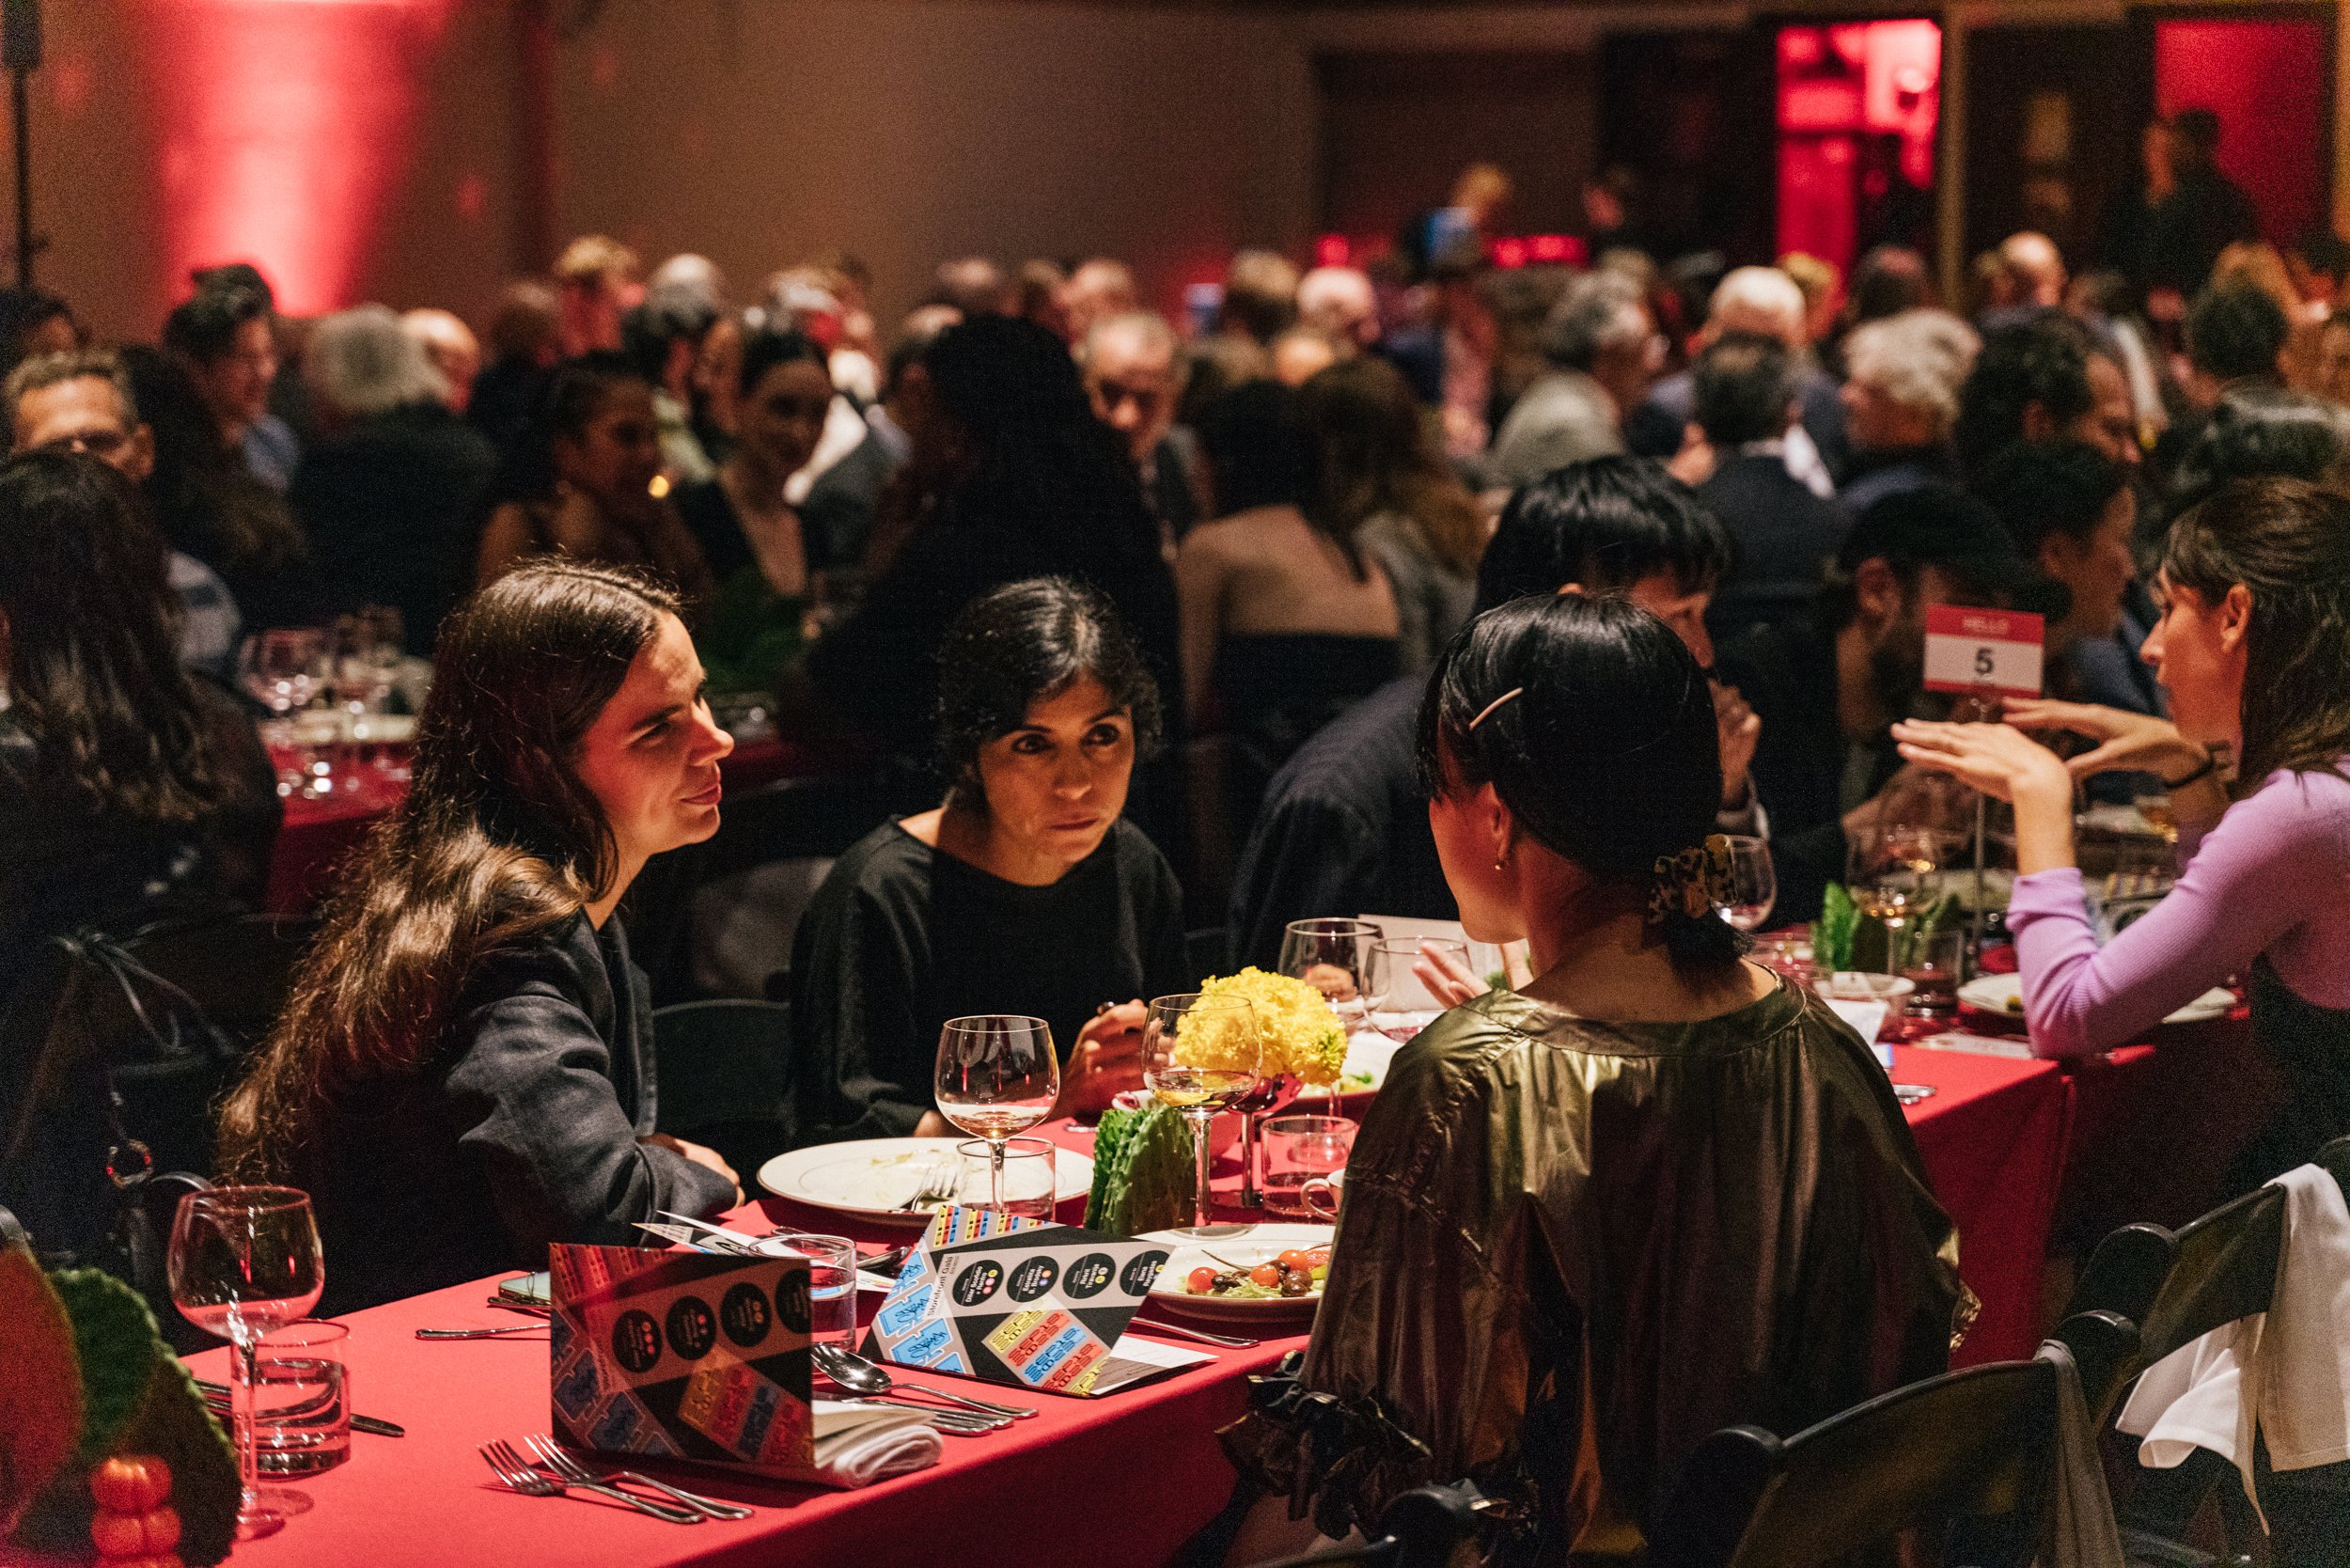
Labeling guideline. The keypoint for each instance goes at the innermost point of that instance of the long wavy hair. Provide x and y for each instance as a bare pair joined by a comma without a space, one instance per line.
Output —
1376,456
2288,542
89,647
498,840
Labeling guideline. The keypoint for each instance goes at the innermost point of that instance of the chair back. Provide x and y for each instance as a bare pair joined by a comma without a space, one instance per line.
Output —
724,1071
1972,1445
1420,1528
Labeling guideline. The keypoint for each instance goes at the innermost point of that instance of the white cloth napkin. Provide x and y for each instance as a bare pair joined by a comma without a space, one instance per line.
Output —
876,1450
2284,1374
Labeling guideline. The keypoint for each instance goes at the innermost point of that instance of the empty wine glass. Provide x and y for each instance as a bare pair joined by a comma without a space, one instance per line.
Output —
1753,883
1400,1004
1200,1055
1331,956
997,1075
244,1261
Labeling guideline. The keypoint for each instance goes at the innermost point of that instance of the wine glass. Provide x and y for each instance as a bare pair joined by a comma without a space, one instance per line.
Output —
997,1075
244,1261
1331,956
1892,869
1753,884
1200,1056
1390,981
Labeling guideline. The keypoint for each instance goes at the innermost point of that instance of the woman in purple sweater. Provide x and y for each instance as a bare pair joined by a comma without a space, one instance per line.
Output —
2254,648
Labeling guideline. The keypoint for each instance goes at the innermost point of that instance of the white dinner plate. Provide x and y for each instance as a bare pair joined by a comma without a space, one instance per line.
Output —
2004,994
1241,1246
872,1177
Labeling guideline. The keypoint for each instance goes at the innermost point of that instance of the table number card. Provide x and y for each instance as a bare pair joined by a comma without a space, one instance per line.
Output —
1989,653
1028,1304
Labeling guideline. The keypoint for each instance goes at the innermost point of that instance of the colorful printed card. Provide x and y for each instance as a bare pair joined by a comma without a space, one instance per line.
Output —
1019,1302
682,1355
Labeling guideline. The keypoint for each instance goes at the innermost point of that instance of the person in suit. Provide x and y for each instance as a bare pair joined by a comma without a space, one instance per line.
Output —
1747,405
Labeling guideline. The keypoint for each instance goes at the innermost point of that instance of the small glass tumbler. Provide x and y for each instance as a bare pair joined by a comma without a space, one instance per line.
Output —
1031,1176
302,1409
831,1285
1935,961
1298,1150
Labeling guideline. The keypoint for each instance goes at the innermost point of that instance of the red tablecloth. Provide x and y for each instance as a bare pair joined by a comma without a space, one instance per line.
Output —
317,834
1127,1478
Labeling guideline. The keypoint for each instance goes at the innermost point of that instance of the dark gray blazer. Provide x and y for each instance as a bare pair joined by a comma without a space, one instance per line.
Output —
521,1131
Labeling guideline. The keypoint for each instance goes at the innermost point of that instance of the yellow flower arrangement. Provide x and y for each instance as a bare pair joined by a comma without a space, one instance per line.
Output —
1296,1030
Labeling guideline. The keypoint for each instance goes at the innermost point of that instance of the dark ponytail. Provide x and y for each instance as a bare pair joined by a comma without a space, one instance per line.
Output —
1594,723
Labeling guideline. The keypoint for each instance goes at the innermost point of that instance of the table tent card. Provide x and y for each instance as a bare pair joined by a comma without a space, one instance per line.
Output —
689,1355
1026,1303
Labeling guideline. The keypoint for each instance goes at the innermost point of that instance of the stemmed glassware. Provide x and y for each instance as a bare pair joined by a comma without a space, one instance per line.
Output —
244,1261
1200,1055
1334,957
1387,981
1753,883
1892,873
998,1075
282,670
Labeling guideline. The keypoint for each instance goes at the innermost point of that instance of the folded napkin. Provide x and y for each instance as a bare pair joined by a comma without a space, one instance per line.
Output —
878,1445
2284,1374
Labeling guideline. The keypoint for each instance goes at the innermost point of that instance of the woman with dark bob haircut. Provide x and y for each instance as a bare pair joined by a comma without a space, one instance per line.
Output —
465,1071
1654,1192
1026,892
127,782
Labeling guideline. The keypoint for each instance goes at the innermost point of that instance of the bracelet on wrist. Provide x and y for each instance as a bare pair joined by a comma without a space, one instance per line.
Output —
2211,766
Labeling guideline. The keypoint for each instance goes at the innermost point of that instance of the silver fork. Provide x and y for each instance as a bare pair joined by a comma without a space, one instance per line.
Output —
939,1180
500,1456
565,1464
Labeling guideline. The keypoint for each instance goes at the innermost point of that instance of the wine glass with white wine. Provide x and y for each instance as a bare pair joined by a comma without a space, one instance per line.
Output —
998,1075
1200,1056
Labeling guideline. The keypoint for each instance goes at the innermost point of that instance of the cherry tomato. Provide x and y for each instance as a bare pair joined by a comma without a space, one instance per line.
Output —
130,1484
147,1535
1201,1281
1267,1274
1295,1260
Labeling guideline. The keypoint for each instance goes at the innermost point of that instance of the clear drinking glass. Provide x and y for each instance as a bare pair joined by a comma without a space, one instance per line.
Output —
1398,1005
831,1285
281,670
997,1075
244,1262
302,1398
1199,1054
1031,1174
1332,956
1893,868
1299,1149
1935,963
1753,882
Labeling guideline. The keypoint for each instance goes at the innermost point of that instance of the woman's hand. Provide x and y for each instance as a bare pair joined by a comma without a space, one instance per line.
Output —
1739,729
1107,1059
707,1158
1448,979
2125,741
2010,765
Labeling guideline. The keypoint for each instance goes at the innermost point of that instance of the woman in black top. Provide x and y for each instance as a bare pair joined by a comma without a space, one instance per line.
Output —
464,1073
127,782
1025,893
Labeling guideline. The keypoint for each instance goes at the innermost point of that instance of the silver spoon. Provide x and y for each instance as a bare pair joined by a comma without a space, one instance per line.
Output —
479,1333
858,1376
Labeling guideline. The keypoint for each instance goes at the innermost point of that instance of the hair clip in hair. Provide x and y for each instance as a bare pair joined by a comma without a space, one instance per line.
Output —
1691,882
1488,711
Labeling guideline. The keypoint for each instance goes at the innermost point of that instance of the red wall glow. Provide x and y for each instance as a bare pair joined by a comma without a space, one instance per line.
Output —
2266,81
283,126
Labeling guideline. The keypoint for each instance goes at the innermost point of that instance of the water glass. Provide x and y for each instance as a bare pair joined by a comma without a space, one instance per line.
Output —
1753,882
831,1284
1303,1149
1400,1004
302,1398
1031,1175
1935,963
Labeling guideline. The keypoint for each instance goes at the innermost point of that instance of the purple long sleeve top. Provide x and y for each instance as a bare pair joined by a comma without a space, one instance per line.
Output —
2271,877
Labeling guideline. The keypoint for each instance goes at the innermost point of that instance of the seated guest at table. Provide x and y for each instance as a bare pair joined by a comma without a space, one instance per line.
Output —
392,490
1901,398
2260,432
1134,371
82,403
1745,406
1654,1192
465,1071
1828,682
1025,893
1344,827
1385,484
2040,378
2255,590
1597,341
1765,301
525,342
1014,477
227,337
127,783
603,453
739,516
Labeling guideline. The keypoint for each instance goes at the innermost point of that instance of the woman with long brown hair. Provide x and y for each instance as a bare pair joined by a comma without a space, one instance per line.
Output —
465,1071
1385,485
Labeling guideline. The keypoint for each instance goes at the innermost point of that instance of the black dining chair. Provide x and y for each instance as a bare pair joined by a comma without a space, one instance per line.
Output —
1420,1528
2180,1285
1967,1455
724,1071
